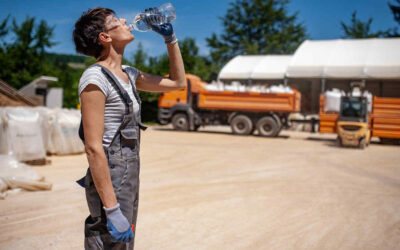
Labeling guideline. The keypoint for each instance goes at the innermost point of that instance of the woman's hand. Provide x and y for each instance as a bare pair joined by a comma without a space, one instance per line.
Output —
152,17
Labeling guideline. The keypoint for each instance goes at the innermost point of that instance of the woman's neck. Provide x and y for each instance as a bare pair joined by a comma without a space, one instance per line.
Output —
112,58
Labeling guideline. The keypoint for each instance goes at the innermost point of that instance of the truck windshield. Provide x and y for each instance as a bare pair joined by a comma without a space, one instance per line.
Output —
354,107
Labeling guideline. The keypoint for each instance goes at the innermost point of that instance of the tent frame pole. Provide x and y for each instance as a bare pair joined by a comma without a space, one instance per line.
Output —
323,83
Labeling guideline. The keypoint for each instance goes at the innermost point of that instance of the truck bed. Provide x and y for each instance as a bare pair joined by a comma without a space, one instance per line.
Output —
384,121
386,117
250,101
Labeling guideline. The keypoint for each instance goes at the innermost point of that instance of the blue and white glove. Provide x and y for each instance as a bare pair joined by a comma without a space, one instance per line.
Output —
165,29
118,226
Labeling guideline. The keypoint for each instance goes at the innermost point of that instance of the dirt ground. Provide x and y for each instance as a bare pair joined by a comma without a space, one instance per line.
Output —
214,190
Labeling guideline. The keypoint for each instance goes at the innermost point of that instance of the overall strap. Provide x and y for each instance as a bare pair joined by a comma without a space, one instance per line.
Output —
122,92
141,125
119,88
125,94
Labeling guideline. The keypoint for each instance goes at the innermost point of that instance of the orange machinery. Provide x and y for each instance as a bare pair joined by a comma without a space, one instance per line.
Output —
243,111
384,121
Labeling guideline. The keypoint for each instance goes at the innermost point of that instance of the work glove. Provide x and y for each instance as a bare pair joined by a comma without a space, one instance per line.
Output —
166,30
117,224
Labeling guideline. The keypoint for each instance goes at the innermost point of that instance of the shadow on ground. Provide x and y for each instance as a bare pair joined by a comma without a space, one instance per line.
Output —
332,142
229,133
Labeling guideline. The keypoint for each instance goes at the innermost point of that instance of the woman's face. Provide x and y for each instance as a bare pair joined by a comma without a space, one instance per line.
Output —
118,30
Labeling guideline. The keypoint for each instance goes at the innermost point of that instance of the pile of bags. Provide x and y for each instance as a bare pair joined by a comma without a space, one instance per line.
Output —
29,133
15,176
332,99
236,86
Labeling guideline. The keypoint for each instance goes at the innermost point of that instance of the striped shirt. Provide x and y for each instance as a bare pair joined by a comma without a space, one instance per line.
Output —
115,107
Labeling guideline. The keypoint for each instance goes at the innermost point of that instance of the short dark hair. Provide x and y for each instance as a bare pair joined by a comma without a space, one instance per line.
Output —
87,30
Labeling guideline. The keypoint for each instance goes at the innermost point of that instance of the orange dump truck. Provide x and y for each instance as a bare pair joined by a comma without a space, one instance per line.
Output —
196,106
383,121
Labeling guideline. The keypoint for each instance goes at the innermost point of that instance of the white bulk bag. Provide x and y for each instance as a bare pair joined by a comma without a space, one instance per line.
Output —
65,136
280,89
48,119
332,100
368,96
14,174
23,134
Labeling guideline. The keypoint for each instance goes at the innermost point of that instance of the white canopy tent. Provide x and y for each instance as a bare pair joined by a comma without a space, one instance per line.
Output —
347,59
258,67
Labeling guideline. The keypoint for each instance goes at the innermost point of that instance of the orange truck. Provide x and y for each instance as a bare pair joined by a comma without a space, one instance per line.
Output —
382,122
245,112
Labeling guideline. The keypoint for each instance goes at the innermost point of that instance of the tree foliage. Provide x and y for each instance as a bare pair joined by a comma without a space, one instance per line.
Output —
256,27
359,29
24,58
396,16
396,11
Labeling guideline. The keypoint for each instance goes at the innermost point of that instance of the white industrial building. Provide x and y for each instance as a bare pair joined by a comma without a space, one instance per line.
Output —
320,65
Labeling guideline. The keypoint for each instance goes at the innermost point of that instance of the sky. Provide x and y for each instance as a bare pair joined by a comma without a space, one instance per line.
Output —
196,19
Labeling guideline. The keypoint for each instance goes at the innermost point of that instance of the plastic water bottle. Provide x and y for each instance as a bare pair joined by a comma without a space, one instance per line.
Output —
166,13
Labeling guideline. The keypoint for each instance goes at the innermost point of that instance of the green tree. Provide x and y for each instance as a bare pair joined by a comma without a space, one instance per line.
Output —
43,36
396,15
3,30
396,11
23,59
193,62
359,29
256,27
140,58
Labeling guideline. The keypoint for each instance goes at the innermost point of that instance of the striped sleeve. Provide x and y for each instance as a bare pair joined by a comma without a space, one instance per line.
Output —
94,76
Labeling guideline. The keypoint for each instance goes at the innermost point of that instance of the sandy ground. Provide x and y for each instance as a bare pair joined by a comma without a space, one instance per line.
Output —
214,190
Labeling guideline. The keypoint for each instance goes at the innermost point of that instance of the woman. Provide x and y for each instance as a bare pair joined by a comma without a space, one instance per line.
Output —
111,123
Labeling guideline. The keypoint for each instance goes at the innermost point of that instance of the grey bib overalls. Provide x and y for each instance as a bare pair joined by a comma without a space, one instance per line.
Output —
124,165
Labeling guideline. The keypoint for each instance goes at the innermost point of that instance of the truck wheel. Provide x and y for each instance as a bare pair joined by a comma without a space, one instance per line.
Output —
339,142
279,122
267,126
196,127
180,122
362,143
241,125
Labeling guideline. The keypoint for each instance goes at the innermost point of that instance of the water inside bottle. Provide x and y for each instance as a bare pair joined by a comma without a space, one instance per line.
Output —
139,24
166,14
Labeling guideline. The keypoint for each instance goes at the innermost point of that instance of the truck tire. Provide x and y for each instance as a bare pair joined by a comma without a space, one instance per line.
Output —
267,126
180,122
279,122
362,143
339,141
196,127
241,125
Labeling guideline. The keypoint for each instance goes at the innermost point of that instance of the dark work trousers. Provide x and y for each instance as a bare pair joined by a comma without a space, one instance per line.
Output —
124,166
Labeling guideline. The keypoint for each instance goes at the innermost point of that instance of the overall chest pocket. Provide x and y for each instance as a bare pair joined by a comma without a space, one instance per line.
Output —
129,141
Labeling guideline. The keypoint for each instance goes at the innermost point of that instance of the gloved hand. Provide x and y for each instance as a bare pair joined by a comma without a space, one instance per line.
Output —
117,224
151,17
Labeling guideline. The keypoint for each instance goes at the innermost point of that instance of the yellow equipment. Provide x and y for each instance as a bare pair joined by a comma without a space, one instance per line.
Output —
352,125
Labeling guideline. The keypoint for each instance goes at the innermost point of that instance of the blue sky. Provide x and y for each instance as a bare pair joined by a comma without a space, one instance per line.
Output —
197,19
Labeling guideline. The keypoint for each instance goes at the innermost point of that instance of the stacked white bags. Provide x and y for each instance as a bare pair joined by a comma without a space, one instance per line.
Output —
279,89
22,134
28,133
65,139
16,175
47,125
332,100
236,86
368,95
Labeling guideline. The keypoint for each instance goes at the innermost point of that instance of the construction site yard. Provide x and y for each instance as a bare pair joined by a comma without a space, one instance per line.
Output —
214,190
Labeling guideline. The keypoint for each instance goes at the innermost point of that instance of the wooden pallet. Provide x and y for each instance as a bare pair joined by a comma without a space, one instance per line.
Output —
38,162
